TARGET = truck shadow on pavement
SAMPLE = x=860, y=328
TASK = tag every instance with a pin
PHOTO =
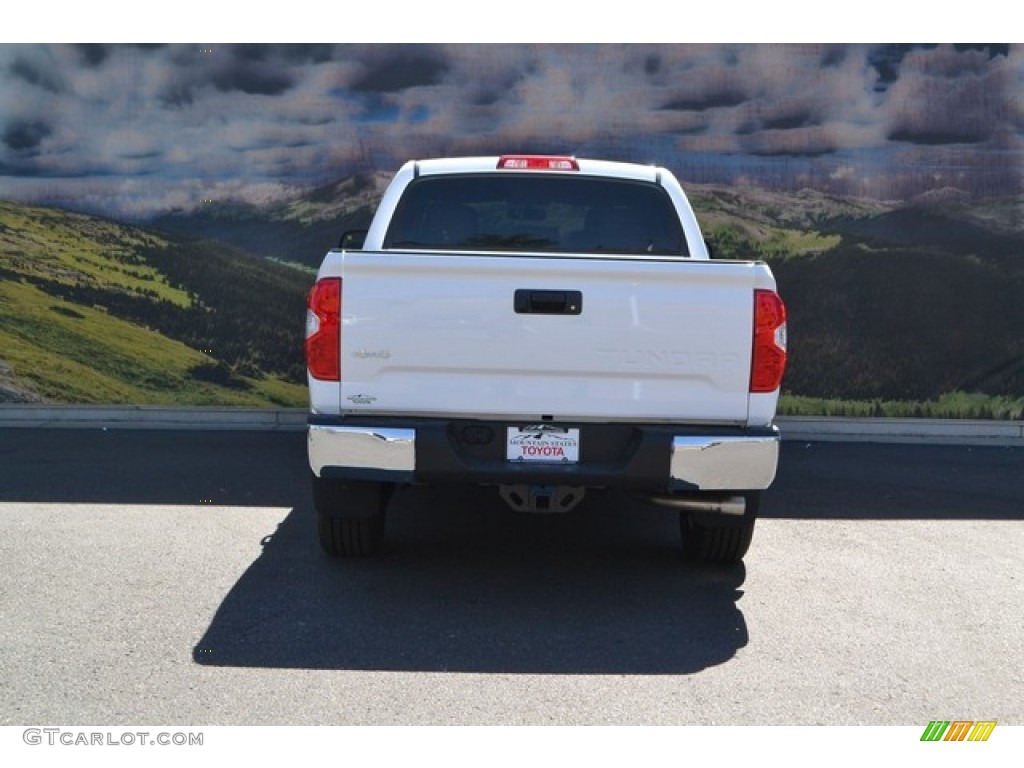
x=469, y=586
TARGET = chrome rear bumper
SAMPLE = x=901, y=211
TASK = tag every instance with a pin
x=386, y=450
x=696, y=462
x=725, y=463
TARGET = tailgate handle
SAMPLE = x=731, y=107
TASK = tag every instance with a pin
x=536, y=302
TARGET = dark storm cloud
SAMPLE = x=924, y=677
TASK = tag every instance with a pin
x=788, y=122
x=694, y=78
x=886, y=61
x=37, y=75
x=176, y=96
x=692, y=129
x=260, y=80
x=255, y=69
x=833, y=56
x=307, y=53
x=748, y=128
x=486, y=97
x=794, y=135
x=140, y=154
x=284, y=53
x=937, y=136
x=992, y=49
x=252, y=69
x=492, y=89
x=400, y=69
x=248, y=68
x=809, y=149
x=92, y=54
x=21, y=135
x=249, y=52
x=728, y=97
x=957, y=95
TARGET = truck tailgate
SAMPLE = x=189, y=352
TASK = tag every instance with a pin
x=518, y=337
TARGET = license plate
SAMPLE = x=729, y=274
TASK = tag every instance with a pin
x=543, y=443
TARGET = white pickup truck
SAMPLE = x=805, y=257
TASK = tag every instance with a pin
x=543, y=325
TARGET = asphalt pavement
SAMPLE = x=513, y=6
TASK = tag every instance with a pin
x=174, y=577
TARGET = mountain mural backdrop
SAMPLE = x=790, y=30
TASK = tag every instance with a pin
x=162, y=206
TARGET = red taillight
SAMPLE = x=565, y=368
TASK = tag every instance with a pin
x=537, y=163
x=323, y=330
x=769, y=359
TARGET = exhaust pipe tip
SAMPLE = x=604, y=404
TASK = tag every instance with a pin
x=728, y=506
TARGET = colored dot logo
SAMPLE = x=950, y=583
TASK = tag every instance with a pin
x=958, y=730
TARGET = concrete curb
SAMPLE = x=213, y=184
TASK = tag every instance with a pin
x=793, y=428
x=151, y=417
x=875, y=430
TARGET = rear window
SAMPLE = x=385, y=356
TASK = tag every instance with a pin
x=546, y=213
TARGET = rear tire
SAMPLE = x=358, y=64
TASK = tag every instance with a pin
x=717, y=541
x=350, y=516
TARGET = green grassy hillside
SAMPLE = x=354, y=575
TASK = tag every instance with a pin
x=893, y=310
x=92, y=311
